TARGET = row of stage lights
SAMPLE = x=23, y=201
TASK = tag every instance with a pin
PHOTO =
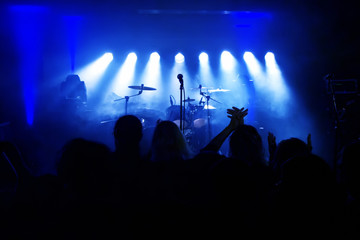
x=266, y=78
x=94, y=71
x=226, y=57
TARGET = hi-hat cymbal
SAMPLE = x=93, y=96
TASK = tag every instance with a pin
x=189, y=100
x=219, y=90
x=142, y=87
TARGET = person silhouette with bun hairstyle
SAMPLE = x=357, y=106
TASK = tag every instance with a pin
x=127, y=136
x=127, y=162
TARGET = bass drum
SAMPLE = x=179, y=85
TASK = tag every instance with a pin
x=173, y=114
x=199, y=117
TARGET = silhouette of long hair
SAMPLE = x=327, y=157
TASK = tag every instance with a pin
x=168, y=143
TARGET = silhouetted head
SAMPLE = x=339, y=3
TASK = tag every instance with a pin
x=306, y=174
x=246, y=144
x=350, y=168
x=289, y=148
x=168, y=143
x=127, y=132
x=83, y=165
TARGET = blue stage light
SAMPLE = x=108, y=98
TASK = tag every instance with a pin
x=125, y=76
x=28, y=23
x=92, y=73
x=108, y=57
x=131, y=57
x=227, y=61
x=248, y=57
x=179, y=58
x=154, y=57
x=269, y=56
x=203, y=58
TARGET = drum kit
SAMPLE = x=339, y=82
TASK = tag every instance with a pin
x=196, y=117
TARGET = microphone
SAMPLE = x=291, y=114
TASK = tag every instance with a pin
x=180, y=77
x=171, y=101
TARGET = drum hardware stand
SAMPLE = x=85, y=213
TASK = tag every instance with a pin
x=128, y=97
x=207, y=97
x=330, y=80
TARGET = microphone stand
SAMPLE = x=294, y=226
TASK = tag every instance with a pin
x=180, y=77
x=128, y=97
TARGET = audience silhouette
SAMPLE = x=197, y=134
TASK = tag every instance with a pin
x=168, y=143
x=349, y=179
x=174, y=193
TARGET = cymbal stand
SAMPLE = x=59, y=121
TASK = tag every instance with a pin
x=128, y=97
x=208, y=97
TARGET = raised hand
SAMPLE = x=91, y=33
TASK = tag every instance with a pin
x=237, y=116
x=309, y=144
x=272, y=147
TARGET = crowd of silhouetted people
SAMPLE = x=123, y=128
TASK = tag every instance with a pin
x=175, y=193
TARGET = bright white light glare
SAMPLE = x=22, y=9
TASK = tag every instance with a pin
x=248, y=57
x=269, y=56
x=205, y=73
x=227, y=61
x=131, y=57
x=92, y=73
x=155, y=57
x=270, y=61
x=203, y=57
x=125, y=75
x=179, y=58
x=253, y=65
x=276, y=85
x=108, y=57
x=255, y=70
x=151, y=76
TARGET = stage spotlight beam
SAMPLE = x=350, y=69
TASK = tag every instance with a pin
x=228, y=61
x=92, y=73
x=154, y=57
x=179, y=58
x=203, y=57
x=254, y=67
x=124, y=76
x=151, y=76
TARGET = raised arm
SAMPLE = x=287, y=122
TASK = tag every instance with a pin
x=237, y=118
x=309, y=143
x=272, y=148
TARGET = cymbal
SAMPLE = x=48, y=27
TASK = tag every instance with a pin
x=143, y=88
x=202, y=88
x=219, y=90
x=210, y=107
x=189, y=100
